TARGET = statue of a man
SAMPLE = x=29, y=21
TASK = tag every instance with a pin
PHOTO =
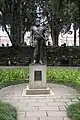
x=38, y=37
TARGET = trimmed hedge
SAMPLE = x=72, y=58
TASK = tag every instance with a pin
x=73, y=111
x=60, y=56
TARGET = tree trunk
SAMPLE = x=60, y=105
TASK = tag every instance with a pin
x=74, y=34
x=21, y=34
x=14, y=27
x=8, y=34
x=15, y=34
x=52, y=36
x=6, y=29
x=17, y=25
x=79, y=35
x=4, y=24
x=55, y=36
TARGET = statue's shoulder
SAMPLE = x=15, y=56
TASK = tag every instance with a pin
x=43, y=28
x=33, y=28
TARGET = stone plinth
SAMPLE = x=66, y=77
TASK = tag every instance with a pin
x=37, y=80
x=30, y=91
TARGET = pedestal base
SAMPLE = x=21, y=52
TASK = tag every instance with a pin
x=37, y=91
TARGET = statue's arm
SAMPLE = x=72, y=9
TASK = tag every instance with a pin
x=45, y=34
x=31, y=33
x=31, y=36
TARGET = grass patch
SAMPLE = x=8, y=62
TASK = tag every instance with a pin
x=69, y=77
x=13, y=76
x=73, y=111
x=65, y=76
x=7, y=112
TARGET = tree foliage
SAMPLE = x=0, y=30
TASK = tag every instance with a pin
x=57, y=15
x=19, y=15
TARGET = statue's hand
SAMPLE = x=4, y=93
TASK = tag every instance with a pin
x=47, y=39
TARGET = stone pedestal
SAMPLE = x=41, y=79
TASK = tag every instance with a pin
x=37, y=80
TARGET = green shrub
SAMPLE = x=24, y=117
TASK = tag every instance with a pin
x=73, y=111
x=7, y=112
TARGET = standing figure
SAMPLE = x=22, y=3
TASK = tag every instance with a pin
x=38, y=36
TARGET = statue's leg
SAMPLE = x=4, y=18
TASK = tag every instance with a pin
x=35, y=52
x=41, y=50
x=38, y=51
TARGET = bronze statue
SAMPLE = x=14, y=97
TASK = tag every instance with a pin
x=38, y=36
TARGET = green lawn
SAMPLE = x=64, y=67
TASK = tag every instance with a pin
x=7, y=112
x=65, y=76
x=13, y=76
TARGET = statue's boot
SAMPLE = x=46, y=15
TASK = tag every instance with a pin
x=34, y=62
x=40, y=61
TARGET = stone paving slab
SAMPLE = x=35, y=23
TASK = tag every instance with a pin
x=27, y=109
x=36, y=114
x=66, y=118
x=51, y=107
x=56, y=103
x=29, y=118
x=62, y=108
x=51, y=118
x=57, y=113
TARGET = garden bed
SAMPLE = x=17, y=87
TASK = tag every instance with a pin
x=65, y=76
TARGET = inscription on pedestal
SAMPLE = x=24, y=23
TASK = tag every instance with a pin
x=37, y=75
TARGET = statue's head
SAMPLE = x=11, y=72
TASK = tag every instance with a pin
x=37, y=23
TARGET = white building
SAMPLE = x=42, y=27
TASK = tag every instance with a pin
x=4, y=39
x=66, y=38
x=69, y=38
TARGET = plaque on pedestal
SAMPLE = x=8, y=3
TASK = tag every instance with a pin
x=37, y=75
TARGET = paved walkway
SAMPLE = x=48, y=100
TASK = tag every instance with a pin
x=40, y=108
